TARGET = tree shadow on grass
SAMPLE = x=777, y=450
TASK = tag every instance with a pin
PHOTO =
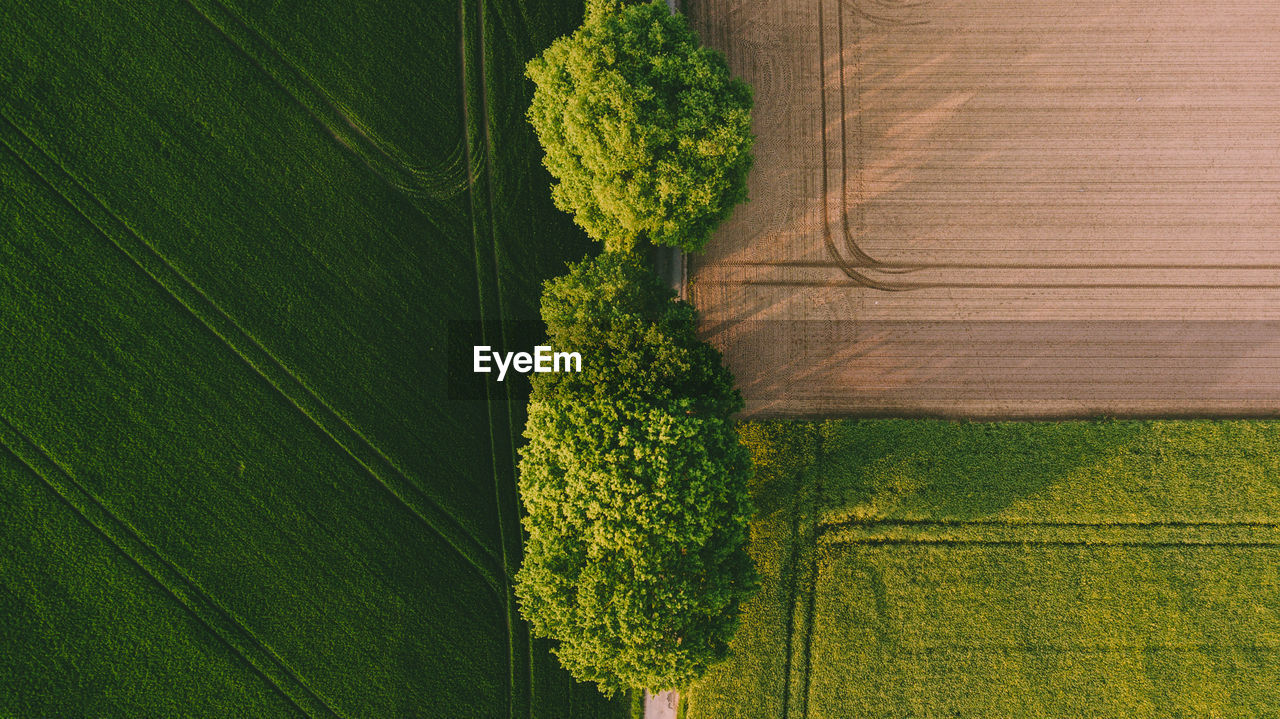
x=806, y=472
x=781, y=532
x=781, y=452
x=957, y=471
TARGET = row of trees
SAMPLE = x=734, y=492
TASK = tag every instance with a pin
x=633, y=480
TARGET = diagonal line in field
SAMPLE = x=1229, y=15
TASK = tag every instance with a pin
x=414, y=180
x=350, y=440
x=335, y=129
x=176, y=583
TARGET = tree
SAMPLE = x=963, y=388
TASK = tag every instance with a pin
x=645, y=132
x=634, y=486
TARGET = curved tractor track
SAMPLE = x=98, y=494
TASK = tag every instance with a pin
x=1001, y=209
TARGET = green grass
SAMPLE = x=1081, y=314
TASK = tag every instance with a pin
x=73, y=602
x=936, y=569
x=231, y=240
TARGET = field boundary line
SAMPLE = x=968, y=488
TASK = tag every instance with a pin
x=907, y=286
x=1001, y=266
x=1188, y=648
x=796, y=556
x=954, y=542
x=181, y=587
x=1064, y=534
x=818, y=498
x=415, y=179
x=1013, y=523
x=310, y=405
x=1006, y=532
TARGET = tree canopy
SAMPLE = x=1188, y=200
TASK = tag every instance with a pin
x=645, y=132
x=634, y=484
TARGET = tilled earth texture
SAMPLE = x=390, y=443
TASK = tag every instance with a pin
x=989, y=208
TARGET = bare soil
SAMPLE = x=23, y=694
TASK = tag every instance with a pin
x=1000, y=208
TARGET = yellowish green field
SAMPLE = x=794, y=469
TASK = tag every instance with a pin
x=934, y=569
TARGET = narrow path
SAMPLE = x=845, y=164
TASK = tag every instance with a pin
x=662, y=705
x=669, y=263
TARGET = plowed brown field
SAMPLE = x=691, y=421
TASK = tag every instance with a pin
x=1000, y=208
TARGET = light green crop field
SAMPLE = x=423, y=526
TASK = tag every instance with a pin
x=934, y=569
x=233, y=236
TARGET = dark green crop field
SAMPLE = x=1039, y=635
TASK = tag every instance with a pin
x=233, y=236
x=935, y=569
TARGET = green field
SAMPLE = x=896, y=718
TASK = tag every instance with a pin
x=234, y=236
x=935, y=569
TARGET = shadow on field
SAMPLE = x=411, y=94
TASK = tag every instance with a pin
x=781, y=532
x=911, y=469
x=809, y=474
